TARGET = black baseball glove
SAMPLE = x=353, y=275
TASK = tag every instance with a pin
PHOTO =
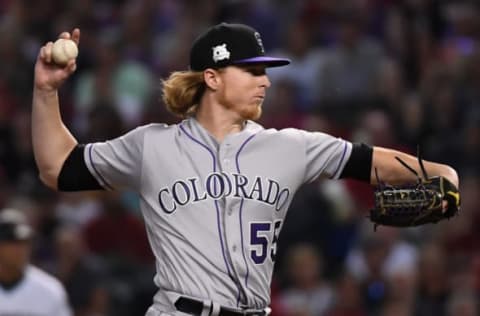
x=414, y=204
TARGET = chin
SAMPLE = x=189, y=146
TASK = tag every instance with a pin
x=251, y=113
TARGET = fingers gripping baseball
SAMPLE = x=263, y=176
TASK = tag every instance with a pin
x=57, y=61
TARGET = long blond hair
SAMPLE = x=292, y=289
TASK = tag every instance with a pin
x=181, y=92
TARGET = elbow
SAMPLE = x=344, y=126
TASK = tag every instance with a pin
x=49, y=172
x=49, y=179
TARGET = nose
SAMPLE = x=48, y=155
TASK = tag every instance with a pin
x=265, y=81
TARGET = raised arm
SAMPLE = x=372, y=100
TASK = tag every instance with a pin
x=393, y=172
x=52, y=141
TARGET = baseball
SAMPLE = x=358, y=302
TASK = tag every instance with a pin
x=63, y=50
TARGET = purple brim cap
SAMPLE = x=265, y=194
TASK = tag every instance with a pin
x=269, y=61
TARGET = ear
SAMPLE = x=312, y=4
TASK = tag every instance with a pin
x=212, y=78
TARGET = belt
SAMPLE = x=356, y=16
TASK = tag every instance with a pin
x=209, y=308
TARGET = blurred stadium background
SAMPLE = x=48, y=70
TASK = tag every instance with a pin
x=385, y=72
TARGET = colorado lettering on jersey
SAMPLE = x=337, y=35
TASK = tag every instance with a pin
x=219, y=185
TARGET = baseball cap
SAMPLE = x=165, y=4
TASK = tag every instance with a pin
x=230, y=44
x=14, y=226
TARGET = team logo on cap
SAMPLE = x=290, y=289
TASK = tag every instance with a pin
x=259, y=41
x=220, y=52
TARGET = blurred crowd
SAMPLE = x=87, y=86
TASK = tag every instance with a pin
x=391, y=73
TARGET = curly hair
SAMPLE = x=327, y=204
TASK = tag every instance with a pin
x=181, y=92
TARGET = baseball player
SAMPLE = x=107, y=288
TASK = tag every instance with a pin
x=215, y=188
x=25, y=289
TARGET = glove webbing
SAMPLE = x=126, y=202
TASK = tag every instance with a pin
x=407, y=200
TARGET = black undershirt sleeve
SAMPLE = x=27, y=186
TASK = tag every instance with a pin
x=75, y=175
x=359, y=165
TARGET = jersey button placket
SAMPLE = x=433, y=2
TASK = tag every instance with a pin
x=232, y=227
x=231, y=239
x=225, y=159
x=232, y=220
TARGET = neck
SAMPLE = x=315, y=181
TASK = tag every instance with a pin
x=218, y=120
x=9, y=279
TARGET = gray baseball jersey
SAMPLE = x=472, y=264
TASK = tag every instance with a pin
x=213, y=211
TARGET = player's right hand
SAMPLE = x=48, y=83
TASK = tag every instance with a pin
x=48, y=75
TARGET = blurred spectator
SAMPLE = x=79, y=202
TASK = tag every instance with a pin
x=391, y=84
x=82, y=276
x=280, y=111
x=128, y=245
x=445, y=111
x=137, y=30
x=125, y=84
x=460, y=237
x=348, y=298
x=39, y=205
x=27, y=176
x=433, y=282
x=303, y=72
x=25, y=289
x=264, y=16
x=395, y=309
x=308, y=293
x=373, y=282
x=470, y=151
x=276, y=303
x=118, y=238
x=309, y=210
x=104, y=122
x=411, y=120
x=171, y=47
x=383, y=253
x=9, y=161
x=382, y=256
x=401, y=287
x=463, y=303
x=77, y=209
x=16, y=71
x=352, y=66
x=469, y=76
x=5, y=190
x=461, y=32
x=375, y=126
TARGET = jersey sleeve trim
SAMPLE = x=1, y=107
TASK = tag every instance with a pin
x=340, y=162
x=347, y=151
x=93, y=170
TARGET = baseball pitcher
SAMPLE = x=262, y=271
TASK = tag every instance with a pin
x=214, y=188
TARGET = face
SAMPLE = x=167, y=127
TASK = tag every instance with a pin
x=14, y=256
x=242, y=89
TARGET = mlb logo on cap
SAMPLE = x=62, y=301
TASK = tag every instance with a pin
x=230, y=44
x=220, y=52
